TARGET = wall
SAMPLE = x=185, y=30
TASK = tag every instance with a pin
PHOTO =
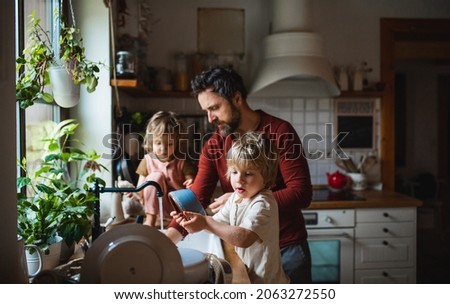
x=95, y=109
x=350, y=28
x=8, y=231
x=343, y=23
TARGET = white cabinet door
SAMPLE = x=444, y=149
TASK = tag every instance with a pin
x=384, y=252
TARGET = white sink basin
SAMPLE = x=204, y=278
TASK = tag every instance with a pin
x=203, y=241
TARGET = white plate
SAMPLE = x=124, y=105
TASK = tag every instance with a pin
x=130, y=254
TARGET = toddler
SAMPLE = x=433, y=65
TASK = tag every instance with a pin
x=249, y=218
x=164, y=163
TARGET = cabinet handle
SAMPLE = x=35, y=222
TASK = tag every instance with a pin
x=385, y=230
x=385, y=214
x=385, y=274
x=385, y=243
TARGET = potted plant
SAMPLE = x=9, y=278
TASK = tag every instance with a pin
x=39, y=64
x=56, y=199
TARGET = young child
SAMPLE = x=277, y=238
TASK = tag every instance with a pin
x=249, y=218
x=164, y=164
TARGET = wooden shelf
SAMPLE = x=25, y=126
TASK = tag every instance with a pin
x=361, y=94
x=132, y=87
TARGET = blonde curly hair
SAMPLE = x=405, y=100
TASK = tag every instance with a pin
x=254, y=151
x=163, y=123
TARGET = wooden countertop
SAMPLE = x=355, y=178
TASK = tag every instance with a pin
x=372, y=199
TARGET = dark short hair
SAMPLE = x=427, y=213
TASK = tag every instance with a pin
x=222, y=80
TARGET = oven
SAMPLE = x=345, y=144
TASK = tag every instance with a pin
x=330, y=238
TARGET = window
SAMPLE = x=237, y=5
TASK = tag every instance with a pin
x=36, y=121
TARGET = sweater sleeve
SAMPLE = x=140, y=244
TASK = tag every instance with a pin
x=206, y=179
x=293, y=189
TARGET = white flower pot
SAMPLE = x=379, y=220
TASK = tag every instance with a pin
x=65, y=92
x=38, y=261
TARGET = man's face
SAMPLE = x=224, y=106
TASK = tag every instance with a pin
x=220, y=112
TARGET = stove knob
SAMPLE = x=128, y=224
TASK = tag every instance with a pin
x=329, y=220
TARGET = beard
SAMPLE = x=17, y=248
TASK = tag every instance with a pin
x=227, y=128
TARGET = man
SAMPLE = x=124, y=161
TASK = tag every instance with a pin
x=222, y=95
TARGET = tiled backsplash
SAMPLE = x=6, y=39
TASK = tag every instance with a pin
x=309, y=117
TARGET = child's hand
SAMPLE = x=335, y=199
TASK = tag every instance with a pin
x=127, y=184
x=188, y=183
x=178, y=217
x=193, y=222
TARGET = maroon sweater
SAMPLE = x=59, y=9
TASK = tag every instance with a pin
x=292, y=188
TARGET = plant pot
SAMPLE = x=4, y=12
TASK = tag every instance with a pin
x=39, y=261
x=65, y=92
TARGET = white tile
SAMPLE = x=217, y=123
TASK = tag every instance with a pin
x=256, y=104
x=299, y=129
x=324, y=117
x=285, y=104
x=310, y=128
x=298, y=104
x=324, y=104
x=298, y=117
x=321, y=129
x=285, y=115
x=311, y=104
x=311, y=117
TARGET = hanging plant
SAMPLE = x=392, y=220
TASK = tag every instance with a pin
x=40, y=56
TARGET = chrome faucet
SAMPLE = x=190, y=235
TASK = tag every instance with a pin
x=96, y=229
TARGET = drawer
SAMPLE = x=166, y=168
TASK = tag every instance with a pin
x=376, y=215
x=386, y=276
x=387, y=230
x=384, y=252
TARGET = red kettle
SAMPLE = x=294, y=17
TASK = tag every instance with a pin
x=337, y=181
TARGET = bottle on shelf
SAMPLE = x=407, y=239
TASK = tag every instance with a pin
x=181, y=73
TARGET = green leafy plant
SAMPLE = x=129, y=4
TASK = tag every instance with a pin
x=53, y=203
x=39, y=56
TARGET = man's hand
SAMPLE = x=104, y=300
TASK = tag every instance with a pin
x=219, y=202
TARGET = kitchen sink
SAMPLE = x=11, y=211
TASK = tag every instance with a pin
x=203, y=241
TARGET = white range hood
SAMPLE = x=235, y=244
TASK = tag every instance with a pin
x=294, y=62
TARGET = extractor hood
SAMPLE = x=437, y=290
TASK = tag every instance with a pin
x=294, y=62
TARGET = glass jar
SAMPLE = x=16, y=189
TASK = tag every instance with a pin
x=125, y=65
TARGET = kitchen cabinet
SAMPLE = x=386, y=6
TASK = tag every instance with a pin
x=385, y=245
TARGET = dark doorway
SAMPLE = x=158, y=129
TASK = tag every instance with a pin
x=419, y=42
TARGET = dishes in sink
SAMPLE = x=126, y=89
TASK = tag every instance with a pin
x=185, y=200
x=132, y=253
